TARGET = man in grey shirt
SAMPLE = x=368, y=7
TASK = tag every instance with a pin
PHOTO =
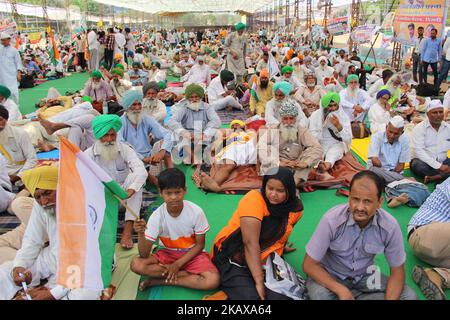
x=340, y=255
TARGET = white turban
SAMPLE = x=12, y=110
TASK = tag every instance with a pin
x=323, y=58
x=434, y=104
x=294, y=61
x=397, y=122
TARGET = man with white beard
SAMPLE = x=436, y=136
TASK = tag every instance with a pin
x=151, y=105
x=136, y=131
x=16, y=147
x=122, y=164
x=281, y=92
x=341, y=63
x=36, y=261
x=199, y=74
x=97, y=88
x=298, y=149
x=324, y=71
x=119, y=85
x=193, y=122
x=355, y=101
x=309, y=95
x=331, y=126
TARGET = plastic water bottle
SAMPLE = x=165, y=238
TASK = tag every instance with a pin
x=105, y=107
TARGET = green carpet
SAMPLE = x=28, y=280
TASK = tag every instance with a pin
x=219, y=209
x=29, y=97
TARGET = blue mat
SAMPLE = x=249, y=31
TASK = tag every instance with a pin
x=54, y=154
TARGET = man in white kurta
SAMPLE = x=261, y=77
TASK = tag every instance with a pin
x=16, y=147
x=10, y=66
x=355, y=101
x=9, y=104
x=324, y=71
x=219, y=96
x=199, y=74
x=122, y=164
x=35, y=261
x=236, y=43
x=331, y=126
x=119, y=43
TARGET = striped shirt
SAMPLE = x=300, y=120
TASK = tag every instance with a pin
x=435, y=209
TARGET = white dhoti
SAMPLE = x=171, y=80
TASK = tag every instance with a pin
x=134, y=202
x=11, y=241
x=227, y=101
x=240, y=153
x=40, y=270
x=333, y=152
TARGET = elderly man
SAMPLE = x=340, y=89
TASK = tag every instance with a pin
x=340, y=255
x=331, y=126
x=281, y=92
x=200, y=73
x=286, y=75
x=341, y=63
x=236, y=43
x=263, y=63
x=122, y=164
x=262, y=94
x=389, y=151
x=9, y=104
x=429, y=239
x=240, y=150
x=138, y=76
x=36, y=261
x=324, y=71
x=119, y=85
x=194, y=122
x=309, y=95
x=431, y=142
x=355, y=101
x=136, y=130
x=151, y=105
x=16, y=147
x=11, y=66
x=219, y=96
x=298, y=149
x=97, y=88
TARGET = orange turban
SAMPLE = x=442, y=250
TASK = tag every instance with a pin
x=264, y=73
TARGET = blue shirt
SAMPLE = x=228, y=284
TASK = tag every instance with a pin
x=389, y=154
x=435, y=209
x=138, y=138
x=431, y=50
x=32, y=66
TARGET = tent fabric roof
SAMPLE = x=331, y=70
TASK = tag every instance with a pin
x=167, y=6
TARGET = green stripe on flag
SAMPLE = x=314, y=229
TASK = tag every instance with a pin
x=108, y=232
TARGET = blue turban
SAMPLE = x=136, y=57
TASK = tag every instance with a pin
x=382, y=93
x=284, y=87
x=130, y=97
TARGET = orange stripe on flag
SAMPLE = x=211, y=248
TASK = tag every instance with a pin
x=71, y=219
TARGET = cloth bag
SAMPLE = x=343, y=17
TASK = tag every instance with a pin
x=283, y=279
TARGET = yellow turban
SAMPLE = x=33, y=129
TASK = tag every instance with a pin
x=239, y=122
x=45, y=177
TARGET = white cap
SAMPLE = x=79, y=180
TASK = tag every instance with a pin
x=397, y=122
x=323, y=58
x=5, y=35
x=434, y=104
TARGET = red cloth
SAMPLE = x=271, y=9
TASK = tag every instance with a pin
x=201, y=263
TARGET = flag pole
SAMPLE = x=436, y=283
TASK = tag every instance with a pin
x=122, y=202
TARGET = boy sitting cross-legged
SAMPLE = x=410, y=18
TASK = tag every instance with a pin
x=181, y=227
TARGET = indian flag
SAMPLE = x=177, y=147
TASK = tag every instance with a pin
x=87, y=217
x=54, y=52
x=253, y=90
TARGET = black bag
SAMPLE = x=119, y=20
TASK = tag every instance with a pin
x=27, y=81
x=427, y=90
x=115, y=108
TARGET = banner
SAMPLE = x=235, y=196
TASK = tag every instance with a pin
x=364, y=34
x=339, y=21
x=8, y=25
x=412, y=14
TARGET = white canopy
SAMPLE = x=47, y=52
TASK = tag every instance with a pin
x=174, y=6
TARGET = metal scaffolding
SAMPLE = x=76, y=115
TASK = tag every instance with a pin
x=327, y=13
x=287, y=16
x=354, y=21
x=309, y=14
